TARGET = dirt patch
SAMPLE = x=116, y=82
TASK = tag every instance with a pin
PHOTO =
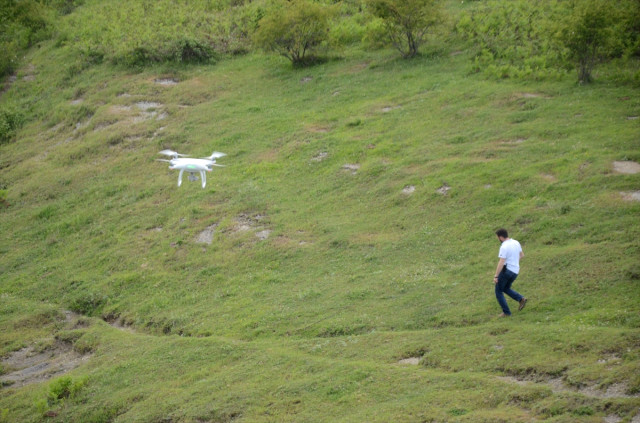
x=167, y=82
x=353, y=168
x=306, y=79
x=409, y=189
x=388, y=109
x=320, y=156
x=244, y=222
x=626, y=167
x=206, y=236
x=413, y=361
x=548, y=177
x=631, y=196
x=534, y=95
x=146, y=105
x=263, y=235
x=444, y=189
x=31, y=366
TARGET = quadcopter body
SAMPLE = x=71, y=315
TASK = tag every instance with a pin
x=190, y=165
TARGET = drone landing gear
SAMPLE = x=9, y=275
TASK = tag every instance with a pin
x=193, y=177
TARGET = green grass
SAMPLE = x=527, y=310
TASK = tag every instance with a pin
x=309, y=324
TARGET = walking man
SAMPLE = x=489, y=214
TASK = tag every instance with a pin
x=507, y=271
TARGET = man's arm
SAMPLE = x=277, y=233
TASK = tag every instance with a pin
x=499, y=269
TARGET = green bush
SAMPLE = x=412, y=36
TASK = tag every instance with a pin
x=407, y=22
x=22, y=24
x=87, y=303
x=135, y=34
x=63, y=388
x=10, y=122
x=515, y=38
x=294, y=30
x=589, y=35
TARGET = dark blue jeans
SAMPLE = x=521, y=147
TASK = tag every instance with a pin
x=505, y=279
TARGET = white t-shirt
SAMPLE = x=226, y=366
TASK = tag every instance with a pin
x=510, y=251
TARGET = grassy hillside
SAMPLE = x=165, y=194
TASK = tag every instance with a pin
x=353, y=228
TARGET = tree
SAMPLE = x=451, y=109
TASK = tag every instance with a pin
x=587, y=35
x=407, y=22
x=294, y=30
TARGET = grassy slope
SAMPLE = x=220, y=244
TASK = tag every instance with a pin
x=308, y=324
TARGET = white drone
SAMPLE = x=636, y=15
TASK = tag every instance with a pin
x=191, y=165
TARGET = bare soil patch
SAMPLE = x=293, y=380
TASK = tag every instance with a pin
x=627, y=167
x=414, y=361
x=320, y=156
x=206, y=236
x=388, y=109
x=409, y=189
x=631, y=196
x=534, y=95
x=353, y=168
x=264, y=234
x=444, y=189
x=167, y=82
x=29, y=365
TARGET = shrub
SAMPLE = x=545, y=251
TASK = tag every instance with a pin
x=10, y=122
x=407, y=22
x=63, y=388
x=515, y=38
x=87, y=303
x=294, y=30
x=136, y=34
x=588, y=35
x=22, y=24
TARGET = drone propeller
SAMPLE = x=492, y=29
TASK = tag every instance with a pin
x=219, y=165
x=163, y=160
x=172, y=153
x=215, y=155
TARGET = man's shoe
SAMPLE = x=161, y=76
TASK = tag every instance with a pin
x=523, y=302
x=504, y=315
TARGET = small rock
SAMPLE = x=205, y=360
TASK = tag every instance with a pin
x=409, y=189
x=444, y=189
x=306, y=79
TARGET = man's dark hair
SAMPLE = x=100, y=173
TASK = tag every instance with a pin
x=503, y=233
